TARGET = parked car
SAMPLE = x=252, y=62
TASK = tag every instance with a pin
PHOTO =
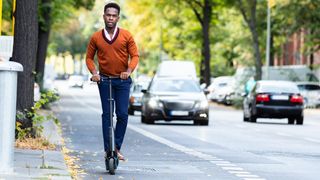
x=311, y=93
x=221, y=89
x=76, y=81
x=136, y=94
x=174, y=98
x=274, y=99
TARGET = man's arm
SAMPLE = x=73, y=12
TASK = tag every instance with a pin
x=134, y=58
x=134, y=54
x=91, y=51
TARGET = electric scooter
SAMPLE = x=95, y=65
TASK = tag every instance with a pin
x=112, y=159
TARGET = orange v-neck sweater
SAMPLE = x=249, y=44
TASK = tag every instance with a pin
x=113, y=56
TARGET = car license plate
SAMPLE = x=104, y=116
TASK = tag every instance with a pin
x=179, y=113
x=280, y=97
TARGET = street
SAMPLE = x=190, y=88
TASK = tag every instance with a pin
x=227, y=149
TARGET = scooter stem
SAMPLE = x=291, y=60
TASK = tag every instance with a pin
x=111, y=129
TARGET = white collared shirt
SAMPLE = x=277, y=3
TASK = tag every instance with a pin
x=107, y=34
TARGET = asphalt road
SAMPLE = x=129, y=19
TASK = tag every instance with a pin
x=226, y=149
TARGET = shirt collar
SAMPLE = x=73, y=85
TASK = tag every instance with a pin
x=107, y=34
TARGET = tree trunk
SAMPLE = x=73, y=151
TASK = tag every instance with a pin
x=257, y=54
x=206, y=39
x=311, y=61
x=254, y=34
x=44, y=31
x=25, y=50
x=251, y=21
x=41, y=55
x=204, y=19
x=271, y=63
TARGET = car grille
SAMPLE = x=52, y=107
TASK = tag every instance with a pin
x=185, y=105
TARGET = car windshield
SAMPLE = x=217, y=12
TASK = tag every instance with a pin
x=175, y=85
x=309, y=87
x=278, y=88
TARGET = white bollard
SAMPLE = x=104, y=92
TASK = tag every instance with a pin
x=8, y=96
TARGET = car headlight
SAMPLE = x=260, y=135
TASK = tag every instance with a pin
x=202, y=104
x=154, y=103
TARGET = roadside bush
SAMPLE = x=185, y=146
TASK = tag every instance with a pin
x=237, y=102
x=29, y=122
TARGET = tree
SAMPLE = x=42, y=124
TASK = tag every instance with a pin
x=203, y=13
x=25, y=50
x=51, y=12
x=299, y=15
x=248, y=10
x=186, y=37
x=44, y=31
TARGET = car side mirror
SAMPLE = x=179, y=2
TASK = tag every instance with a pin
x=244, y=94
x=144, y=91
x=203, y=85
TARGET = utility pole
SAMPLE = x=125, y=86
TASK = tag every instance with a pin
x=271, y=3
x=0, y=16
x=13, y=15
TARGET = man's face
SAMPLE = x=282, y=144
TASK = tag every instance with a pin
x=111, y=17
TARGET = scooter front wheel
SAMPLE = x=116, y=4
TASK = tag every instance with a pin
x=111, y=165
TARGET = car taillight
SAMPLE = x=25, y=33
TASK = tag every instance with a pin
x=296, y=99
x=262, y=98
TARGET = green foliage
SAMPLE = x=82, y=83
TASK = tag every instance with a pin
x=170, y=29
x=237, y=102
x=36, y=118
x=291, y=17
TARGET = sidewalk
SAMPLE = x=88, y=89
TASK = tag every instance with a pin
x=38, y=164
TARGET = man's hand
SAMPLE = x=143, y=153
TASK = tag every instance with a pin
x=95, y=78
x=125, y=75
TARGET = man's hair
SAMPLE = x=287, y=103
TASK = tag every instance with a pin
x=112, y=5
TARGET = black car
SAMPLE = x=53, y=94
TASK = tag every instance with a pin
x=274, y=99
x=174, y=98
x=135, y=102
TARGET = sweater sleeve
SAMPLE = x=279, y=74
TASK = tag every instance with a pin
x=91, y=51
x=134, y=55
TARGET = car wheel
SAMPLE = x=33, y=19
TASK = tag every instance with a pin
x=143, y=119
x=245, y=119
x=201, y=122
x=130, y=111
x=252, y=118
x=290, y=120
x=147, y=120
x=299, y=120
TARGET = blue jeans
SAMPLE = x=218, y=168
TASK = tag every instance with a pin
x=120, y=94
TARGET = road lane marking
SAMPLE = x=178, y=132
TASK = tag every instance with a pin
x=239, y=172
x=312, y=140
x=212, y=159
x=225, y=164
x=219, y=161
x=233, y=168
x=284, y=134
x=189, y=151
x=247, y=176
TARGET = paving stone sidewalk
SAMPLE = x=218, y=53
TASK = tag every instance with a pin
x=40, y=164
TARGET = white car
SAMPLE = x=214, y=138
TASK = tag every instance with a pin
x=76, y=81
x=311, y=93
x=220, y=88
